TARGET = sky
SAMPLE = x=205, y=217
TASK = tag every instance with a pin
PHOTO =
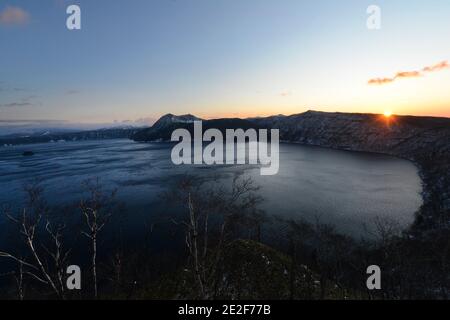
x=137, y=60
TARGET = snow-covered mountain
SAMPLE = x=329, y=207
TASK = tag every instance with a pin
x=170, y=119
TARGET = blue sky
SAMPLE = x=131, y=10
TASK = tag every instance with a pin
x=143, y=58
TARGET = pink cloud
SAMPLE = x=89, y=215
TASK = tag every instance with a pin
x=437, y=67
x=407, y=74
x=380, y=81
x=13, y=16
x=410, y=74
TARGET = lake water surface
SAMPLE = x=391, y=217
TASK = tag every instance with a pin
x=345, y=189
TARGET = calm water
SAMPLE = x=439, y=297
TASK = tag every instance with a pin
x=346, y=189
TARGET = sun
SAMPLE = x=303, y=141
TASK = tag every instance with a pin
x=387, y=113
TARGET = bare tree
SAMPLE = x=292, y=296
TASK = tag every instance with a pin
x=29, y=223
x=97, y=211
x=229, y=206
x=58, y=255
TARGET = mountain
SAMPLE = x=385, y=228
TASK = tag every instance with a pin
x=163, y=128
x=404, y=136
x=170, y=119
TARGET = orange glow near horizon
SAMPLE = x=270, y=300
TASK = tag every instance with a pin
x=388, y=113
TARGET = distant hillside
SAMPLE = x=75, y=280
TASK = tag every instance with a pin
x=113, y=133
x=404, y=136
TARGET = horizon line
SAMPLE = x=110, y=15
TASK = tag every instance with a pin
x=134, y=122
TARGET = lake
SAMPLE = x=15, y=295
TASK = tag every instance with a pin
x=345, y=189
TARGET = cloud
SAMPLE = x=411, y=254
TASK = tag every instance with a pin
x=19, y=89
x=437, y=67
x=4, y=86
x=16, y=104
x=24, y=102
x=72, y=92
x=285, y=93
x=11, y=16
x=381, y=81
x=410, y=74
